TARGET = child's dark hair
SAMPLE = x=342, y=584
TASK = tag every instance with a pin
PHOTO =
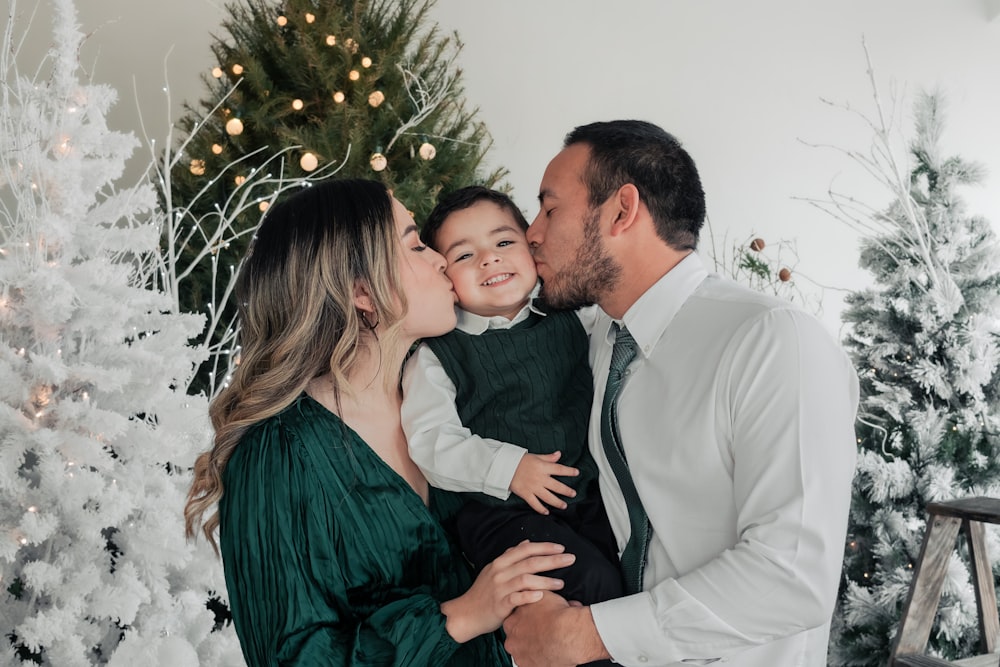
x=462, y=199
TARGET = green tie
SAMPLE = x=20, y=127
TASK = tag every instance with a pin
x=634, y=556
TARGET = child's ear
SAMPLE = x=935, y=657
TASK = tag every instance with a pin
x=362, y=297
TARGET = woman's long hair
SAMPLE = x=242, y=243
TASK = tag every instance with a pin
x=296, y=292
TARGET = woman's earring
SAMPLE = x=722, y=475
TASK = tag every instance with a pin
x=364, y=318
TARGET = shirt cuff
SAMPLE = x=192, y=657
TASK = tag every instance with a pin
x=501, y=472
x=628, y=628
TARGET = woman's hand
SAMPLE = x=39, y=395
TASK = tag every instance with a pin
x=508, y=582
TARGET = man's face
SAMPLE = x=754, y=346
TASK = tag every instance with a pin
x=566, y=235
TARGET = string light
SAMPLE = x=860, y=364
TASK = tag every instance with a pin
x=237, y=69
x=378, y=161
x=263, y=206
x=366, y=62
x=217, y=72
x=217, y=149
x=198, y=167
x=354, y=75
x=308, y=162
x=282, y=21
x=376, y=98
x=297, y=104
x=338, y=97
x=331, y=40
x=239, y=180
x=427, y=151
x=310, y=17
x=234, y=126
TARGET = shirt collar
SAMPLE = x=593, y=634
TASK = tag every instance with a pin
x=474, y=324
x=652, y=312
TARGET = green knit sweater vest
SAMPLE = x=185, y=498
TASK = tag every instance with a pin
x=529, y=385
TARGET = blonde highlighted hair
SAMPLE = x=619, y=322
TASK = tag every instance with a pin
x=296, y=293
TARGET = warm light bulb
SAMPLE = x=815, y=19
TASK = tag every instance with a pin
x=237, y=69
x=32, y=508
x=239, y=180
x=366, y=62
x=217, y=149
x=338, y=97
x=376, y=98
x=351, y=44
x=310, y=17
x=331, y=40
x=427, y=151
x=354, y=75
x=217, y=72
x=198, y=167
x=308, y=162
x=378, y=162
x=282, y=21
x=297, y=104
x=234, y=126
x=263, y=206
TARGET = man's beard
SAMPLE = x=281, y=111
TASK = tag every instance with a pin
x=589, y=275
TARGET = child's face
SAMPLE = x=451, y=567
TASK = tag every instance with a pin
x=488, y=260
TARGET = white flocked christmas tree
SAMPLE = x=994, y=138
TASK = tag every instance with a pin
x=926, y=342
x=96, y=429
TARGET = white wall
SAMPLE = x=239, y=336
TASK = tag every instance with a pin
x=738, y=82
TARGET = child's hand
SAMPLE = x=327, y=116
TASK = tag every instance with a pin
x=535, y=481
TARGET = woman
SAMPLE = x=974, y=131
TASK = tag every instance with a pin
x=330, y=537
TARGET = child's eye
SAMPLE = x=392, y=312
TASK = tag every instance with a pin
x=465, y=255
x=504, y=244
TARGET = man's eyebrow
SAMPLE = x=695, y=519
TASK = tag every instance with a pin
x=542, y=194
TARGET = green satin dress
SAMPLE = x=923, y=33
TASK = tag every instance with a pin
x=330, y=556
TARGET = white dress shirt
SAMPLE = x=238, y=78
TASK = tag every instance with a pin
x=737, y=417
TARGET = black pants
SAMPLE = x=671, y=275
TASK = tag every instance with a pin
x=485, y=532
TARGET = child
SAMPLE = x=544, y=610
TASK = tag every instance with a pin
x=500, y=405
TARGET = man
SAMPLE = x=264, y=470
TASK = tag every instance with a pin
x=726, y=448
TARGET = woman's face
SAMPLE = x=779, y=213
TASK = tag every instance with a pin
x=429, y=295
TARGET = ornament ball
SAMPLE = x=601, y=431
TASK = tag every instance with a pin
x=757, y=244
x=379, y=162
x=784, y=275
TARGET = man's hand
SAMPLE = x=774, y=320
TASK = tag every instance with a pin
x=535, y=481
x=553, y=633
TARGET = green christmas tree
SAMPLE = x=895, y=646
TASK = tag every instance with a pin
x=925, y=342
x=363, y=88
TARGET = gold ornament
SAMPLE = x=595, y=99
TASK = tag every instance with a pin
x=237, y=69
x=234, y=126
x=217, y=149
x=354, y=75
x=282, y=21
x=378, y=162
x=366, y=62
x=338, y=97
x=331, y=40
x=427, y=151
x=308, y=162
x=376, y=98
x=297, y=104
x=198, y=167
x=310, y=17
x=217, y=72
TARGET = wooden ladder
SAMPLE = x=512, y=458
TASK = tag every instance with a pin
x=943, y=523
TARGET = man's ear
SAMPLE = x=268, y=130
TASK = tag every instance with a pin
x=362, y=297
x=626, y=208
